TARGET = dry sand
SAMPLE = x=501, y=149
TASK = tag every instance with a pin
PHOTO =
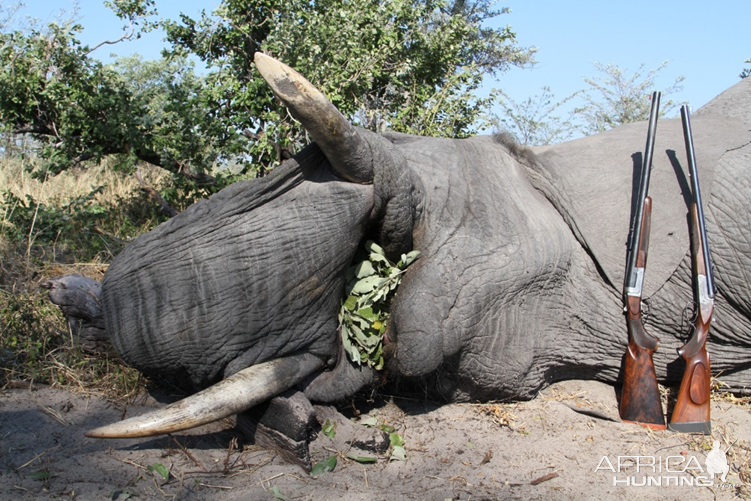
x=542, y=449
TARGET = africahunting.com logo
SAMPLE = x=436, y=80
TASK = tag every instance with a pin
x=668, y=471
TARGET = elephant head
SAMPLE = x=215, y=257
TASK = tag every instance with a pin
x=517, y=285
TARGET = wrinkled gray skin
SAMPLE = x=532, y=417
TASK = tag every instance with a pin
x=519, y=282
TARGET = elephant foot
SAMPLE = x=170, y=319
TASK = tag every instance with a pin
x=288, y=423
x=285, y=424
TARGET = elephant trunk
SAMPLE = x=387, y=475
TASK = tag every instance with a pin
x=350, y=154
x=233, y=395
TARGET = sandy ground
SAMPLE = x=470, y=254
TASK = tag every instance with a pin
x=542, y=449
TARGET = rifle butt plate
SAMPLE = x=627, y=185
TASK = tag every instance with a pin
x=704, y=427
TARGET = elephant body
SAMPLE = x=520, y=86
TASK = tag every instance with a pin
x=519, y=282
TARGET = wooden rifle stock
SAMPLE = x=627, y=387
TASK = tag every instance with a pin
x=691, y=411
x=640, y=397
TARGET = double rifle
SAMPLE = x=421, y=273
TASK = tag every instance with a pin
x=640, y=397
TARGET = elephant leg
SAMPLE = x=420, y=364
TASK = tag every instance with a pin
x=728, y=219
x=285, y=424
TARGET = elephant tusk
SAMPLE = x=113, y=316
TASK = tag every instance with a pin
x=233, y=395
x=349, y=153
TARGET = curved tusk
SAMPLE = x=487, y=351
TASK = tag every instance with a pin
x=348, y=152
x=235, y=394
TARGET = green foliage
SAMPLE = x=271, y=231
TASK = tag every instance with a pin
x=274, y=490
x=746, y=71
x=323, y=467
x=407, y=65
x=411, y=66
x=362, y=459
x=51, y=88
x=29, y=331
x=160, y=470
x=363, y=317
x=176, y=119
x=617, y=98
x=329, y=429
x=78, y=109
x=398, y=452
x=533, y=122
x=41, y=475
x=372, y=422
x=83, y=226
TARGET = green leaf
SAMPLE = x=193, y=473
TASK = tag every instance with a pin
x=350, y=303
x=368, y=284
x=396, y=440
x=160, y=469
x=408, y=259
x=329, y=429
x=352, y=351
x=379, y=258
x=379, y=363
x=365, y=340
x=323, y=466
x=358, y=321
x=374, y=248
x=362, y=459
x=40, y=475
x=368, y=314
x=380, y=295
x=398, y=454
x=365, y=302
x=277, y=494
x=364, y=269
x=369, y=421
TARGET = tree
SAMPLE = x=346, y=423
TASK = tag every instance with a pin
x=79, y=109
x=611, y=100
x=616, y=98
x=533, y=122
x=7, y=14
x=411, y=66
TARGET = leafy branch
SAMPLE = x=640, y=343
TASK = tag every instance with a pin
x=364, y=315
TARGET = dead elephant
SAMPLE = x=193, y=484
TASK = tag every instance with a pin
x=518, y=284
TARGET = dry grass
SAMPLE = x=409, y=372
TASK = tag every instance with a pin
x=14, y=176
x=80, y=215
x=498, y=413
x=35, y=343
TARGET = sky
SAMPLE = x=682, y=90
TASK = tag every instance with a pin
x=706, y=44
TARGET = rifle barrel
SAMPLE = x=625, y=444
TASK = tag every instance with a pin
x=693, y=174
x=633, y=277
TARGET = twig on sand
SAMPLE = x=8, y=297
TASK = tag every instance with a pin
x=187, y=453
x=27, y=463
x=55, y=415
x=544, y=478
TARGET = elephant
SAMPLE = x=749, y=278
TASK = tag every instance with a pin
x=518, y=283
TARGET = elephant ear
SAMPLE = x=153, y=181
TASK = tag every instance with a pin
x=592, y=182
